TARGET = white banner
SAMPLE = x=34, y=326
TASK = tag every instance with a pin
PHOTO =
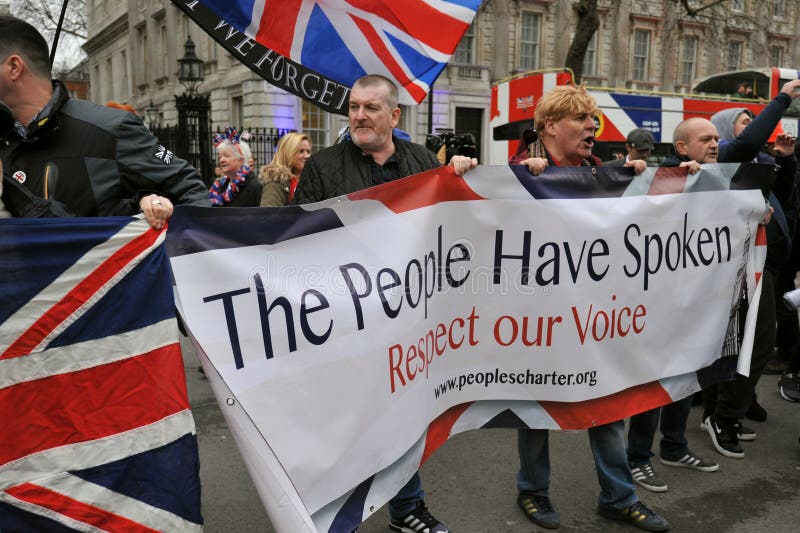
x=339, y=345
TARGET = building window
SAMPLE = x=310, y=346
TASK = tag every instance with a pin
x=737, y=5
x=779, y=9
x=405, y=118
x=529, y=41
x=161, y=61
x=734, y=58
x=142, y=62
x=776, y=56
x=108, y=83
x=590, y=59
x=315, y=125
x=237, y=112
x=96, y=84
x=123, y=93
x=641, y=55
x=688, y=59
x=465, y=51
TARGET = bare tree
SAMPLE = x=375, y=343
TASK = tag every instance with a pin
x=587, y=24
x=44, y=15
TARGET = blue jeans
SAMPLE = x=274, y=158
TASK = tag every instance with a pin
x=407, y=498
x=642, y=431
x=608, y=447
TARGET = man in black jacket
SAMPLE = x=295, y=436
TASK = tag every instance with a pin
x=370, y=157
x=95, y=160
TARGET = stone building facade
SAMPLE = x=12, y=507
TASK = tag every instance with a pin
x=134, y=46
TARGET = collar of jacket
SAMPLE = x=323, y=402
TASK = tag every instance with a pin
x=45, y=120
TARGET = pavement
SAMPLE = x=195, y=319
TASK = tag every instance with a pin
x=470, y=480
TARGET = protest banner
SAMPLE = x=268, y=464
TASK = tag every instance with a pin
x=346, y=340
x=97, y=432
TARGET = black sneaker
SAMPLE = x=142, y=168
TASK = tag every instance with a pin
x=539, y=510
x=724, y=437
x=637, y=514
x=419, y=520
x=742, y=432
x=789, y=387
x=755, y=412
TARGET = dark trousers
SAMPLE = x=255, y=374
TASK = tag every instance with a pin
x=788, y=333
x=729, y=400
x=642, y=431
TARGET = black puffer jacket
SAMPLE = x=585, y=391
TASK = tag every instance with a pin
x=102, y=160
x=342, y=169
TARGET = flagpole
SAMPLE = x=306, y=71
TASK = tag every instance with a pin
x=58, y=31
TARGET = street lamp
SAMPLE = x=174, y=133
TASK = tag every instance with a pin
x=151, y=112
x=190, y=68
x=193, y=135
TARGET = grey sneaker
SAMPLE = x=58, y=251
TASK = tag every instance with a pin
x=789, y=387
x=645, y=476
x=690, y=460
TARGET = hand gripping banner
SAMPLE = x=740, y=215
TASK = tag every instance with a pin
x=347, y=340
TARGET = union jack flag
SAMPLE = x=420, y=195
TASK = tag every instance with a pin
x=409, y=42
x=97, y=434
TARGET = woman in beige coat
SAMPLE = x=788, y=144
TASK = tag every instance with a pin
x=280, y=177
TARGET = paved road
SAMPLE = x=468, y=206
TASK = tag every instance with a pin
x=470, y=480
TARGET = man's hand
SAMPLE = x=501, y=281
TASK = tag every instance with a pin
x=536, y=165
x=156, y=209
x=638, y=165
x=462, y=163
x=784, y=145
x=693, y=166
x=767, y=216
x=791, y=88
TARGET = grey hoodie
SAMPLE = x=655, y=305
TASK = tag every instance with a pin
x=724, y=121
x=746, y=146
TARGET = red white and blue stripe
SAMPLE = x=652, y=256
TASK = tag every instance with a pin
x=97, y=432
x=409, y=42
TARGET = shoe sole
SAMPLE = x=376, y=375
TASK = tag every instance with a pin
x=652, y=488
x=403, y=529
x=613, y=514
x=684, y=465
x=747, y=437
x=785, y=397
x=720, y=449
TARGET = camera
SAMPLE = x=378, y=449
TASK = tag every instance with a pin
x=454, y=143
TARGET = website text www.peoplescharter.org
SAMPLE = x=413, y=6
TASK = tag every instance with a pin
x=556, y=379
